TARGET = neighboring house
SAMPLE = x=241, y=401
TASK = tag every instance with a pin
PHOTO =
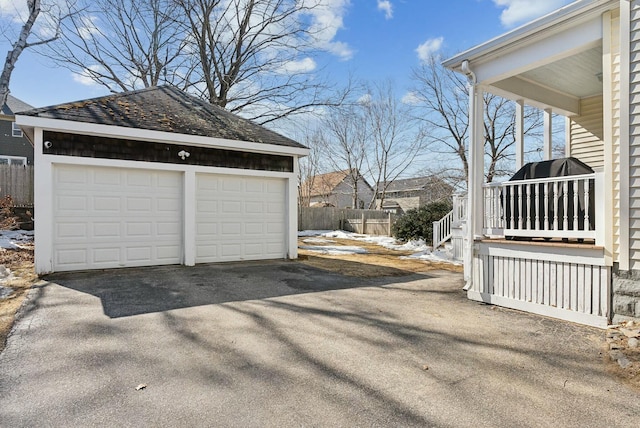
x=15, y=149
x=156, y=177
x=574, y=251
x=337, y=189
x=412, y=193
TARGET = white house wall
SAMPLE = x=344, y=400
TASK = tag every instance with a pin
x=586, y=133
x=634, y=140
x=615, y=133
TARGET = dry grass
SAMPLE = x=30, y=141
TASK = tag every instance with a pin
x=378, y=261
x=20, y=262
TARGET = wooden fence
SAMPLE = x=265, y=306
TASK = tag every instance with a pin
x=370, y=222
x=17, y=181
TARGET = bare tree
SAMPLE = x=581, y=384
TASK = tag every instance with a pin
x=256, y=56
x=441, y=98
x=34, y=9
x=123, y=44
x=345, y=144
x=309, y=166
x=393, y=143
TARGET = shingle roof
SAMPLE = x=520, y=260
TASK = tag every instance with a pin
x=324, y=184
x=14, y=105
x=164, y=108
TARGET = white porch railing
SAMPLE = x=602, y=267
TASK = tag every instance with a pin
x=558, y=207
x=459, y=208
x=442, y=230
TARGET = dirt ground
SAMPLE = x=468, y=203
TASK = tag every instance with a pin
x=20, y=263
x=377, y=261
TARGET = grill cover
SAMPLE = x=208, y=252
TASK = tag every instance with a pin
x=547, y=169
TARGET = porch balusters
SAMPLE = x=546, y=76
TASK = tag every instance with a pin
x=557, y=207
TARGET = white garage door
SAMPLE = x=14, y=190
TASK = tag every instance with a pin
x=239, y=218
x=115, y=217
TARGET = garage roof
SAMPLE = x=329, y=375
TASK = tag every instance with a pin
x=163, y=108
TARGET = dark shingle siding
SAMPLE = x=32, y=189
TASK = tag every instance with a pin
x=166, y=109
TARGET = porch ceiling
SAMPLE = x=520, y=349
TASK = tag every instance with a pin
x=579, y=75
x=558, y=85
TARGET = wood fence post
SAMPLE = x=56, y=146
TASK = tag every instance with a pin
x=364, y=225
x=389, y=223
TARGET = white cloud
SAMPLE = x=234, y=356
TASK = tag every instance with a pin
x=519, y=11
x=365, y=99
x=429, y=47
x=411, y=98
x=15, y=10
x=386, y=7
x=84, y=78
x=88, y=27
x=327, y=18
x=303, y=66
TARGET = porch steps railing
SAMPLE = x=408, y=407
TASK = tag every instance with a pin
x=442, y=230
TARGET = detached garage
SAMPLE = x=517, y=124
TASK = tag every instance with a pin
x=155, y=177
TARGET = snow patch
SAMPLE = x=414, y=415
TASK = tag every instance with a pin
x=15, y=239
x=318, y=241
x=420, y=249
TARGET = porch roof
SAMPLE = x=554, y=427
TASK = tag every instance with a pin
x=551, y=62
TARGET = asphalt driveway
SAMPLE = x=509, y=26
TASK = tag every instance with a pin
x=283, y=344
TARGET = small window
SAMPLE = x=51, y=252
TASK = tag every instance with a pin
x=15, y=130
x=13, y=160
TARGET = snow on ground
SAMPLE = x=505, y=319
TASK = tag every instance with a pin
x=15, y=239
x=421, y=250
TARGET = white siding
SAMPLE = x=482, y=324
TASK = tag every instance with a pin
x=615, y=131
x=586, y=133
x=634, y=139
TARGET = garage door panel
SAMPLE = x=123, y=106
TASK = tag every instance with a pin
x=102, y=256
x=231, y=228
x=106, y=203
x=139, y=204
x=206, y=207
x=231, y=207
x=149, y=216
x=232, y=184
x=139, y=230
x=233, y=218
x=72, y=203
x=169, y=229
x=254, y=228
x=168, y=205
x=109, y=177
x=106, y=230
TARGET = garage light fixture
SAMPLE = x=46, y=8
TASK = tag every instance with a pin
x=183, y=154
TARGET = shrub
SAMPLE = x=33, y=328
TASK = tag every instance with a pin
x=418, y=223
x=8, y=220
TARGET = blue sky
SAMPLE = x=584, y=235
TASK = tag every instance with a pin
x=371, y=39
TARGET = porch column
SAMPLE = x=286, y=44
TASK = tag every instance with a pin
x=548, y=131
x=475, y=213
x=519, y=134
